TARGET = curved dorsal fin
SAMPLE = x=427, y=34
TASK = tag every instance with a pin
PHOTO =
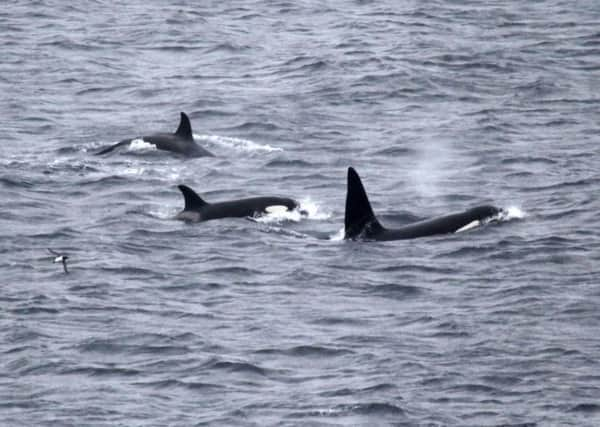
x=184, y=130
x=359, y=214
x=192, y=200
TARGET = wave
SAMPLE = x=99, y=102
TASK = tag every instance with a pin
x=239, y=367
x=383, y=387
x=366, y=409
x=228, y=48
x=289, y=163
x=100, y=371
x=396, y=152
x=528, y=160
x=171, y=383
x=256, y=126
x=286, y=232
x=588, y=408
x=109, y=346
x=584, y=182
x=307, y=351
x=34, y=310
x=15, y=183
x=512, y=212
x=395, y=291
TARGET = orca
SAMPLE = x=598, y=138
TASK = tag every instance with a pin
x=197, y=210
x=360, y=223
x=181, y=142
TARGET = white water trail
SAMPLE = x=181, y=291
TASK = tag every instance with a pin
x=237, y=144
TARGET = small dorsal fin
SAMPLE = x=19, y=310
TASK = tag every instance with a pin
x=359, y=214
x=184, y=130
x=192, y=200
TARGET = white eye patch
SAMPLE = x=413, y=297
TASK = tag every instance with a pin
x=469, y=226
x=275, y=209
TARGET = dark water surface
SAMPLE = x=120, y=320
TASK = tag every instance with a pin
x=439, y=105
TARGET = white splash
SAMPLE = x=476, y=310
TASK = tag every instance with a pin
x=238, y=144
x=57, y=162
x=339, y=236
x=163, y=212
x=140, y=145
x=307, y=210
x=134, y=171
x=313, y=209
x=280, y=215
x=512, y=212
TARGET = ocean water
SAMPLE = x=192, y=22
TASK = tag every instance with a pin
x=278, y=321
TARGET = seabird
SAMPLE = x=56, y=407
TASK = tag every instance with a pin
x=60, y=258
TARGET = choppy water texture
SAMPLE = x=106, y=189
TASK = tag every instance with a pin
x=440, y=106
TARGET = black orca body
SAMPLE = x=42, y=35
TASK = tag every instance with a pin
x=181, y=142
x=197, y=210
x=360, y=221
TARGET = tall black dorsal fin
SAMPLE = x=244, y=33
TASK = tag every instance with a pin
x=192, y=200
x=184, y=130
x=359, y=214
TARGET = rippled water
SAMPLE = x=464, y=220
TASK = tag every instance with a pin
x=440, y=106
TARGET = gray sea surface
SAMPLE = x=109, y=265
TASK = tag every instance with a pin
x=278, y=321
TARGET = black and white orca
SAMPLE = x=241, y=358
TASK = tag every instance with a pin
x=197, y=210
x=361, y=223
x=180, y=142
